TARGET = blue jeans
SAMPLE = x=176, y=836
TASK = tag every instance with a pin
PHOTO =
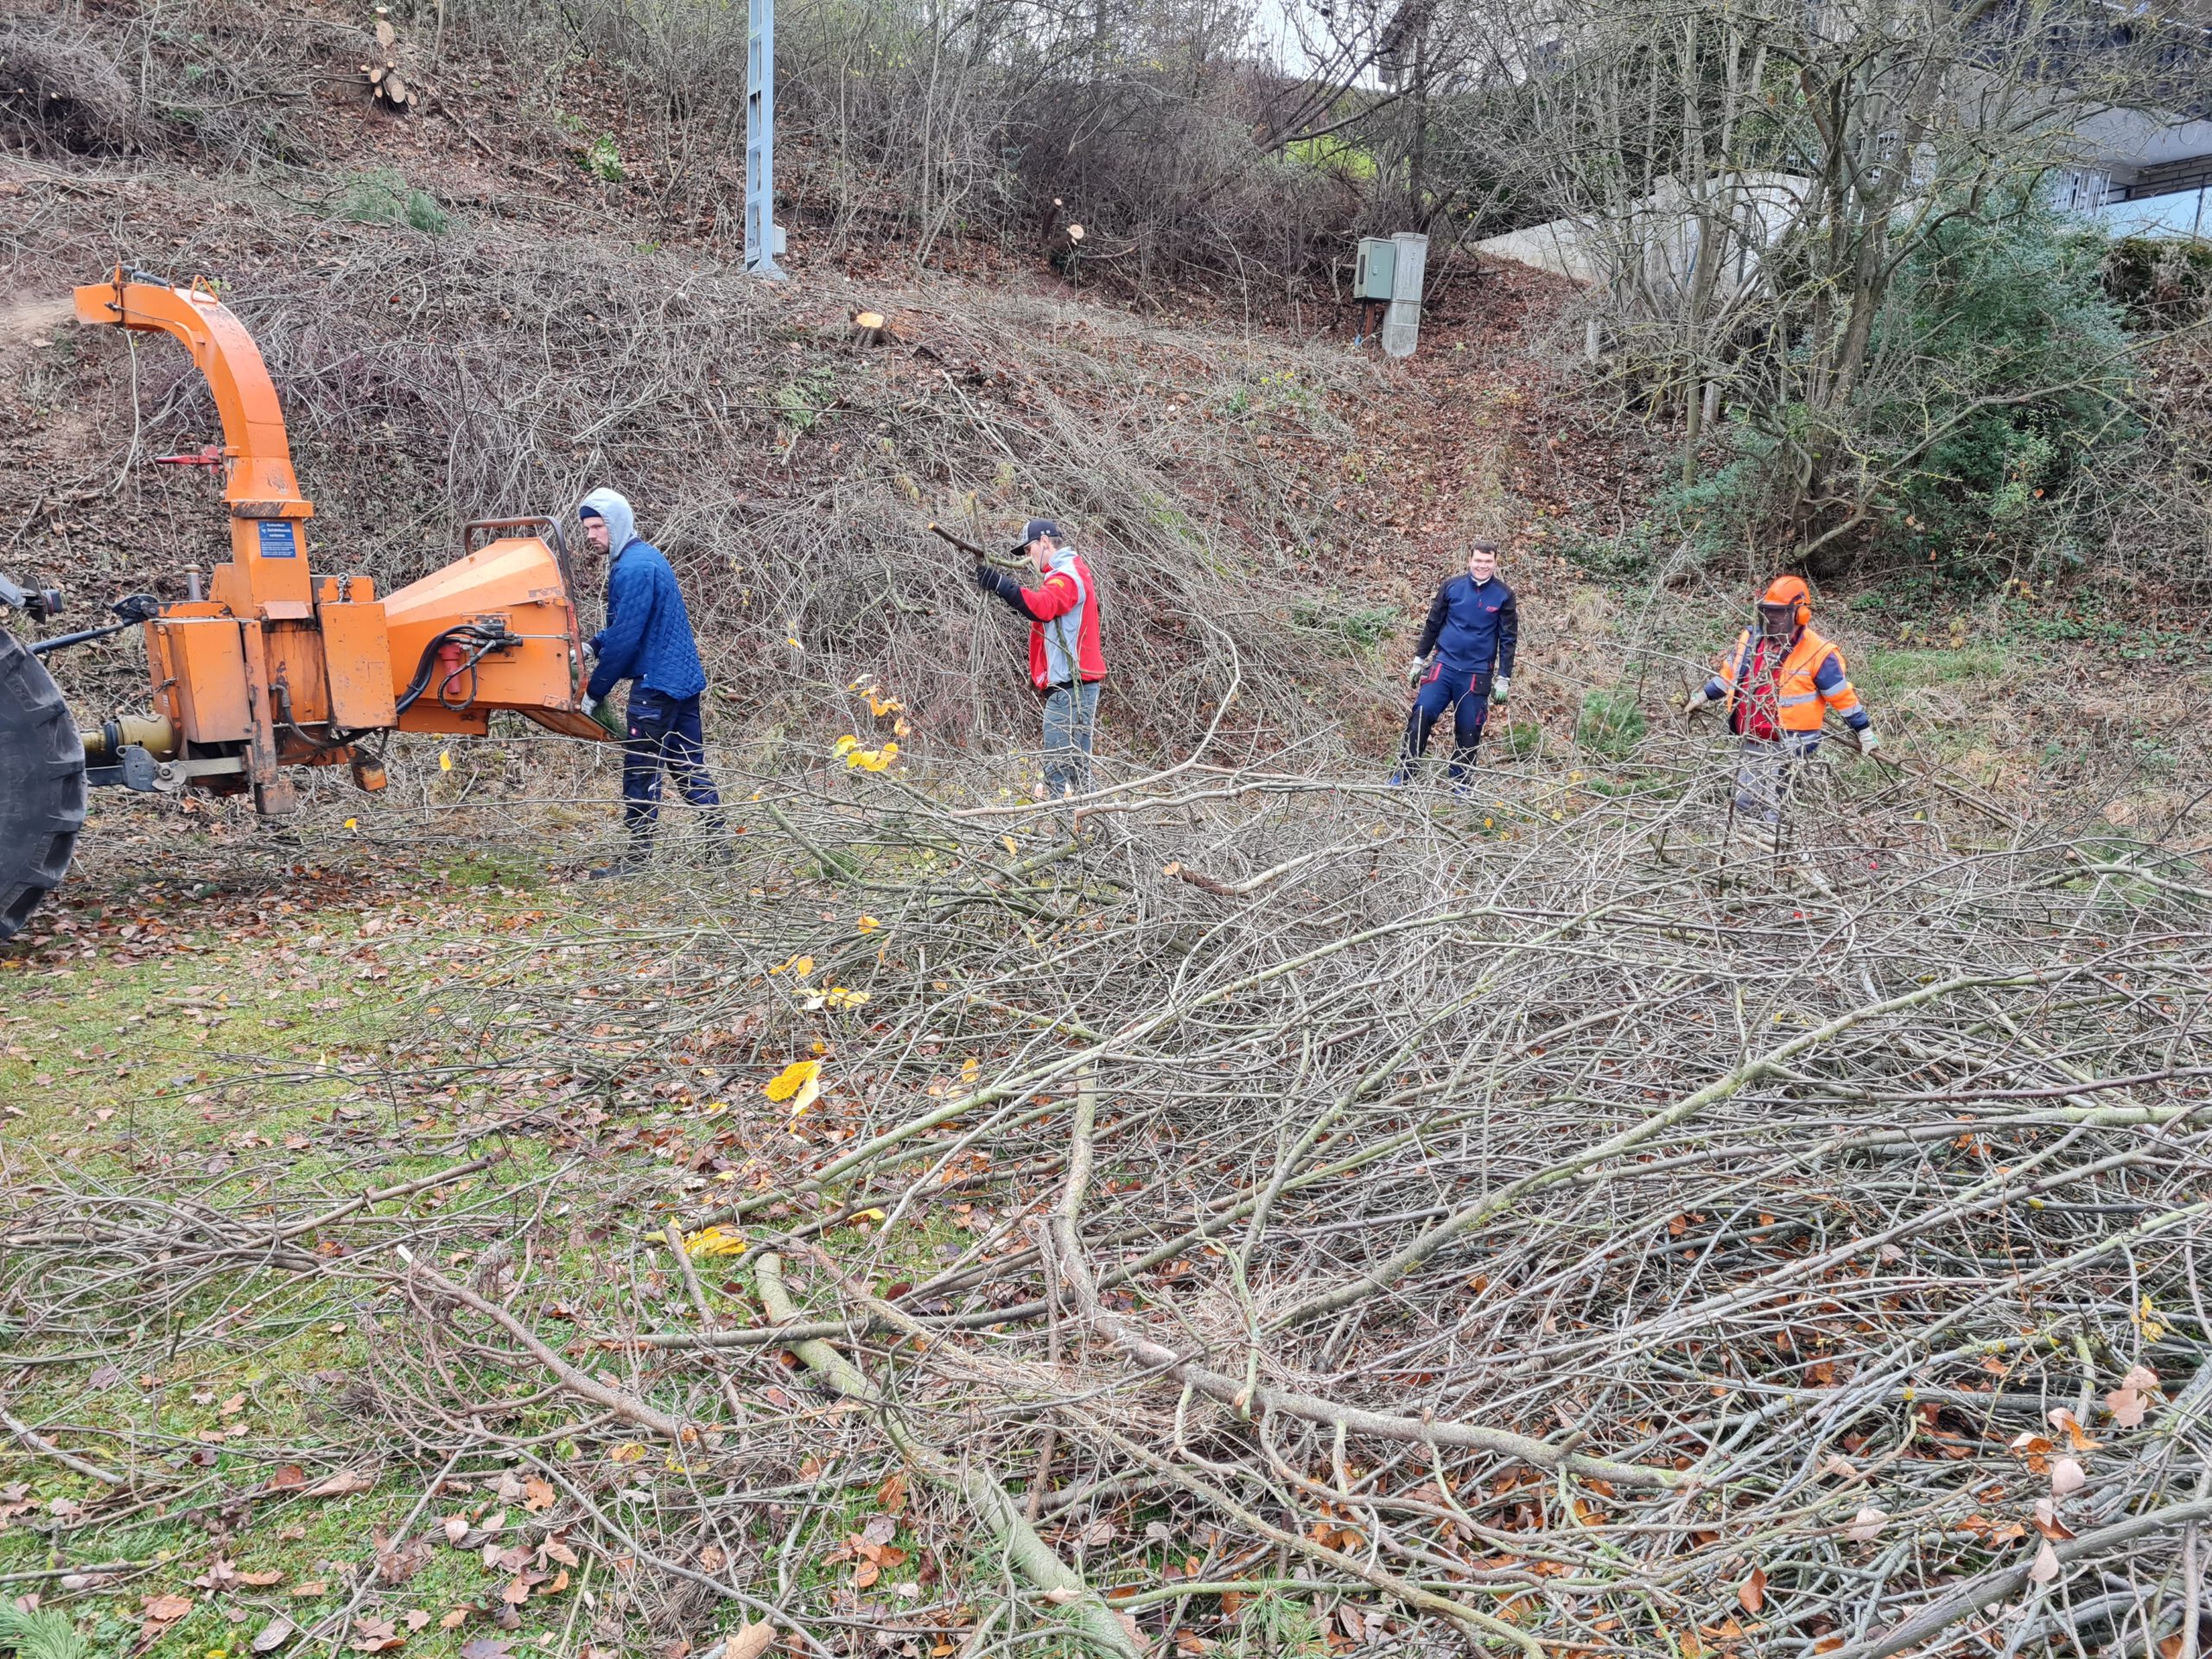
x=1446, y=688
x=1071, y=718
x=665, y=732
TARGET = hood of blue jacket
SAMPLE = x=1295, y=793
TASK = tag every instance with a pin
x=621, y=522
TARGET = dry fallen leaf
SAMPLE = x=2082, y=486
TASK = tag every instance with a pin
x=2066, y=1476
x=2047, y=1521
x=1867, y=1526
x=2045, y=1565
x=1752, y=1593
x=2062, y=1418
x=457, y=1527
x=344, y=1484
x=751, y=1642
x=376, y=1636
x=537, y=1494
x=273, y=1635
x=555, y=1549
x=166, y=1610
x=453, y=1618
x=1061, y=1596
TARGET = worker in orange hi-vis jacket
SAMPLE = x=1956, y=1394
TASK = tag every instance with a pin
x=1777, y=685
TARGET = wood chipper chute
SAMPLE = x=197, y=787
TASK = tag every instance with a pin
x=270, y=665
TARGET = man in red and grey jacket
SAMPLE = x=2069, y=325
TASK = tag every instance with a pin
x=1065, y=663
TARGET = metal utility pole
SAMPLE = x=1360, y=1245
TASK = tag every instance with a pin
x=764, y=237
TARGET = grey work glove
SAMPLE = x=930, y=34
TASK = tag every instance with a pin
x=1869, y=741
x=1414, y=670
x=1696, y=700
x=1500, y=690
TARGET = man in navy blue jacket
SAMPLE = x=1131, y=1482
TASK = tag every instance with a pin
x=1474, y=630
x=648, y=641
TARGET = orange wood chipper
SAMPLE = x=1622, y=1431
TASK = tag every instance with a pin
x=270, y=665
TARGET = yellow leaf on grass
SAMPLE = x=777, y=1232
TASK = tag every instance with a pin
x=868, y=924
x=712, y=1241
x=846, y=744
x=793, y=1078
x=799, y=966
x=445, y=760
x=629, y=1453
x=880, y=706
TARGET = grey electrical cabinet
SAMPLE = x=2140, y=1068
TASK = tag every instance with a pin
x=1376, y=270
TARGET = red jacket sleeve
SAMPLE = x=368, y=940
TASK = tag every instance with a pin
x=1056, y=595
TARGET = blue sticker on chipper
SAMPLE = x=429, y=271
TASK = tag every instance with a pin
x=277, y=542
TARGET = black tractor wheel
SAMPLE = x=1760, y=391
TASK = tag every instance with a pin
x=41, y=784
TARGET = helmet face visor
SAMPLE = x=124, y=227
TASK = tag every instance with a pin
x=1776, y=619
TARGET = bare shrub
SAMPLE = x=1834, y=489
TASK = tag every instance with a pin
x=62, y=92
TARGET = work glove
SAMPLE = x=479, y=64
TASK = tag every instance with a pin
x=1869, y=741
x=1498, y=691
x=602, y=709
x=1696, y=700
x=1414, y=670
x=591, y=652
x=997, y=581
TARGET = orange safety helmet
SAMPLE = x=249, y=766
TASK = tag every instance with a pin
x=1790, y=590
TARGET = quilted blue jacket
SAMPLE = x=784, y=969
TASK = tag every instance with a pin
x=648, y=636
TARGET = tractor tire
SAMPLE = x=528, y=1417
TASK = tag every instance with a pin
x=41, y=784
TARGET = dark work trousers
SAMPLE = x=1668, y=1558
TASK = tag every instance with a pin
x=1446, y=688
x=665, y=732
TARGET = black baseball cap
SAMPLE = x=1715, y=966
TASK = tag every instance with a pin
x=1035, y=528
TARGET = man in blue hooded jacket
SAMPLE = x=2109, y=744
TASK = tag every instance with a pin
x=648, y=641
x=1473, y=628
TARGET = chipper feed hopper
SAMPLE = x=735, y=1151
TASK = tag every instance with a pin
x=270, y=665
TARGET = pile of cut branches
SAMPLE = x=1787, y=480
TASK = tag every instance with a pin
x=1244, y=1209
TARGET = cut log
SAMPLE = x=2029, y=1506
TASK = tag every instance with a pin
x=869, y=329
